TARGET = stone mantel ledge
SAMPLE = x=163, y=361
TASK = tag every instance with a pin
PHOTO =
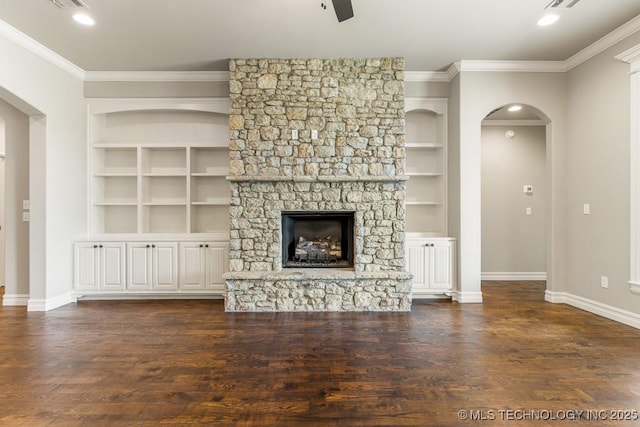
x=319, y=178
x=295, y=274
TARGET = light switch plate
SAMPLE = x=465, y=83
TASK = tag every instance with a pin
x=586, y=209
x=26, y=205
x=314, y=134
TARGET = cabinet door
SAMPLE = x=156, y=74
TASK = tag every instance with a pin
x=165, y=266
x=217, y=264
x=87, y=267
x=139, y=271
x=418, y=265
x=192, y=266
x=441, y=263
x=112, y=266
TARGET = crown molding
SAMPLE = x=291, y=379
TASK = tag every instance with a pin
x=35, y=47
x=615, y=36
x=426, y=76
x=631, y=57
x=513, y=66
x=157, y=76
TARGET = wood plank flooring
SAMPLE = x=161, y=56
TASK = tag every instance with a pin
x=186, y=363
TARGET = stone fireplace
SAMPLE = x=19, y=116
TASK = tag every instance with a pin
x=317, y=152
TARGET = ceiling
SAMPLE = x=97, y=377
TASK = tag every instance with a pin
x=201, y=35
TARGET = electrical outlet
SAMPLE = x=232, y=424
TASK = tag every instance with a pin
x=26, y=205
x=586, y=209
x=528, y=211
x=25, y=216
x=604, y=281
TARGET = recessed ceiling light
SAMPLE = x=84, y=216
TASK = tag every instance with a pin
x=515, y=108
x=83, y=19
x=548, y=19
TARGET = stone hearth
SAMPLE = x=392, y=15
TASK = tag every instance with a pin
x=354, y=164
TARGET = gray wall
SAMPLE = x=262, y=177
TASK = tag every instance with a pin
x=512, y=241
x=598, y=174
x=16, y=190
x=480, y=93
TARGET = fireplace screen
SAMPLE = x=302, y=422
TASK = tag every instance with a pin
x=317, y=239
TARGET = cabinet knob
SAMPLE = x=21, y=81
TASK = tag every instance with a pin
x=201, y=245
x=206, y=246
x=153, y=246
x=100, y=246
x=148, y=246
x=95, y=246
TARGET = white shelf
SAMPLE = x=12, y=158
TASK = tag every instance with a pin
x=426, y=166
x=432, y=174
x=425, y=145
x=159, y=170
x=422, y=203
x=213, y=202
x=213, y=172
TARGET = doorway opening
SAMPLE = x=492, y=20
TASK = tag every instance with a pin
x=514, y=194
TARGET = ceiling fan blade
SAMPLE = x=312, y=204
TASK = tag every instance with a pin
x=343, y=9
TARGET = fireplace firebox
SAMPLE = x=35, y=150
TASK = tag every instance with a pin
x=319, y=239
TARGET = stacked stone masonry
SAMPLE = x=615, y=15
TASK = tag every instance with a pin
x=356, y=164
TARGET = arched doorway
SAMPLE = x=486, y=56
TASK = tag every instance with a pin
x=514, y=194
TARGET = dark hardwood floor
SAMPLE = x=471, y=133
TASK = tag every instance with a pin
x=184, y=363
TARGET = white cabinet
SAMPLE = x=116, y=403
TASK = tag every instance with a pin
x=152, y=266
x=159, y=166
x=202, y=265
x=432, y=263
x=426, y=166
x=99, y=266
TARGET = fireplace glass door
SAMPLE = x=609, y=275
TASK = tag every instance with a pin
x=317, y=239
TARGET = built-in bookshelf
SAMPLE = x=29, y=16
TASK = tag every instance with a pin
x=159, y=166
x=426, y=166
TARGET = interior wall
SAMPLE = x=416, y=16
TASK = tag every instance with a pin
x=513, y=240
x=53, y=99
x=2, y=202
x=16, y=131
x=480, y=92
x=598, y=103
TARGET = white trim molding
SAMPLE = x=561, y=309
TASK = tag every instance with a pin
x=466, y=297
x=595, y=307
x=39, y=49
x=635, y=287
x=513, y=66
x=489, y=122
x=15, y=300
x=50, y=303
x=605, y=42
x=157, y=76
x=427, y=76
x=514, y=276
x=632, y=57
x=108, y=105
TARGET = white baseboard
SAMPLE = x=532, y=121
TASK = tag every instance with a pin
x=15, y=300
x=467, y=297
x=113, y=296
x=542, y=275
x=50, y=303
x=595, y=307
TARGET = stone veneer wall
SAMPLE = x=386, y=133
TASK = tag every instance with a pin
x=357, y=163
